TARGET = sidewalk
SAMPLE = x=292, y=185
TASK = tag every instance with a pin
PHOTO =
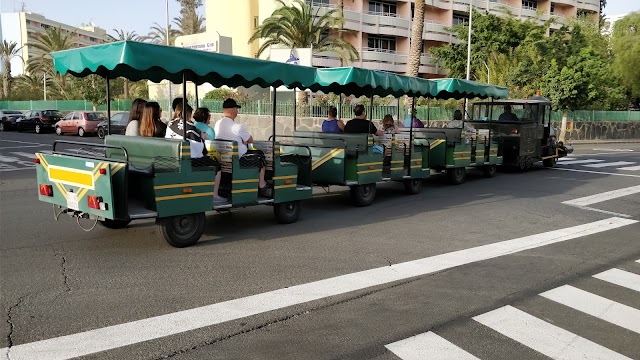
x=603, y=141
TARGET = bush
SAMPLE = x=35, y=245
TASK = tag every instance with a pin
x=219, y=94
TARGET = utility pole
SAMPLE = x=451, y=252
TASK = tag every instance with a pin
x=466, y=101
x=168, y=44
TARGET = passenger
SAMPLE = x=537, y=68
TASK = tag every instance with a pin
x=389, y=125
x=227, y=129
x=202, y=116
x=507, y=115
x=457, y=122
x=135, y=114
x=332, y=125
x=413, y=118
x=360, y=124
x=177, y=101
x=150, y=123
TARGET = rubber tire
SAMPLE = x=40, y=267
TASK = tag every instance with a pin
x=101, y=133
x=457, y=176
x=363, y=195
x=114, y=224
x=287, y=212
x=549, y=163
x=530, y=163
x=413, y=186
x=37, y=129
x=490, y=171
x=81, y=132
x=58, y=130
x=1, y=126
x=522, y=164
x=182, y=230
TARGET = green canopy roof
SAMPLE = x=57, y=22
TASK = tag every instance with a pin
x=460, y=89
x=358, y=82
x=137, y=61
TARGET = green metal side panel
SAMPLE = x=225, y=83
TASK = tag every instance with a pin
x=184, y=192
x=367, y=168
x=74, y=179
x=328, y=165
x=438, y=153
x=459, y=155
x=286, y=186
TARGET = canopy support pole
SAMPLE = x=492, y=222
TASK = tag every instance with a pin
x=295, y=109
x=197, y=99
x=340, y=107
x=108, y=105
x=428, y=112
x=184, y=105
x=413, y=108
x=273, y=121
x=489, y=144
x=400, y=123
x=371, y=110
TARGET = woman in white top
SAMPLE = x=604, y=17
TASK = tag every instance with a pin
x=133, y=127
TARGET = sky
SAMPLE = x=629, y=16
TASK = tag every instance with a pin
x=139, y=15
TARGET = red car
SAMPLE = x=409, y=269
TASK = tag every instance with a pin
x=80, y=122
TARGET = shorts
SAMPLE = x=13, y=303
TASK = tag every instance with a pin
x=253, y=158
x=205, y=161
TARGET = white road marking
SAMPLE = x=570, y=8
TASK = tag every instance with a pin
x=564, y=159
x=630, y=168
x=4, y=168
x=8, y=159
x=428, y=346
x=610, y=164
x=19, y=147
x=614, y=150
x=605, y=196
x=603, y=211
x=588, y=161
x=597, y=306
x=544, y=337
x=24, y=154
x=24, y=142
x=117, y=336
x=596, y=172
x=620, y=278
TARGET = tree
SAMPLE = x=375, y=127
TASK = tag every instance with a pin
x=158, y=35
x=29, y=87
x=53, y=39
x=626, y=47
x=8, y=51
x=297, y=26
x=189, y=22
x=415, y=53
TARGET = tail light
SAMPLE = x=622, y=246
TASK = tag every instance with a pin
x=46, y=190
x=84, y=116
x=36, y=160
x=95, y=202
x=43, y=119
x=514, y=131
x=103, y=171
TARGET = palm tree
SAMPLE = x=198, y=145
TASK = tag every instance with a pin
x=8, y=51
x=192, y=24
x=158, y=35
x=416, y=39
x=53, y=39
x=297, y=26
x=123, y=35
x=31, y=84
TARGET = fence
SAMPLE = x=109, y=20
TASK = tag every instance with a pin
x=287, y=109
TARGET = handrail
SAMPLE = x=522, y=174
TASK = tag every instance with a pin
x=104, y=146
x=311, y=137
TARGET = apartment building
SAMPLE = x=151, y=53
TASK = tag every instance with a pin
x=382, y=28
x=23, y=28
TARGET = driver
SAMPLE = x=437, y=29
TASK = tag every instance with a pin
x=507, y=115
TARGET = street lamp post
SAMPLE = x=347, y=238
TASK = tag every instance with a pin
x=488, y=72
x=466, y=102
x=168, y=44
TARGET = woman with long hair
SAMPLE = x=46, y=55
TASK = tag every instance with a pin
x=135, y=114
x=150, y=124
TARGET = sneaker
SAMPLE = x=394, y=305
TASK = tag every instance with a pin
x=265, y=191
x=217, y=201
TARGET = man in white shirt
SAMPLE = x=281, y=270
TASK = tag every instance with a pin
x=227, y=129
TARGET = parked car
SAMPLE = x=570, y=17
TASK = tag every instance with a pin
x=8, y=119
x=38, y=120
x=80, y=122
x=119, y=124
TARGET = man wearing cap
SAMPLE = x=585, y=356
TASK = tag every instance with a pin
x=227, y=129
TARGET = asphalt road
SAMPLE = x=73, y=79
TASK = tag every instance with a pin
x=522, y=266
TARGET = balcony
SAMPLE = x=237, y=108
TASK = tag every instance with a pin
x=589, y=5
x=501, y=7
x=374, y=23
x=437, y=32
x=568, y=2
x=388, y=60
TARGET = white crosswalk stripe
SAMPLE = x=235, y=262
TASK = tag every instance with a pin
x=575, y=162
x=598, y=306
x=428, y=346
x=630, y=168
x=621, y=278
x=24, y=154
x=610, y=164
x=544, y=337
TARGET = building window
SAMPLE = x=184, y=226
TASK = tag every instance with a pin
x=256, y=22
x=382, y=44
x=460, y=19
x=318, y=2
x=553, y=8
x=530, y=5
x=382, y=8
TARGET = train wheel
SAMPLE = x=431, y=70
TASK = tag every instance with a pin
x=287, y=212
x=522, y=163
x=413, y=186
x=363, y=195
x=457, y=175
x=490, y=171
x=549, y=163
x=114, y=224
x=182, y=230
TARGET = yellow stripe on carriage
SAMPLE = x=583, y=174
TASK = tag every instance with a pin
x=183, y=196
x=397, y=161
x=436, y=143
x=244, y=191
x=371, y=164
x=71, y=177
x=285, y=177
x=285, y=186
x=116, y=168
x=369, y=171
x=331, y=154
x=245, y=181
x=396, y=169
x=174, y=186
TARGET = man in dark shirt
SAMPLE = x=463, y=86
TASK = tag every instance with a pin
x=507, y=115
x=360, y=124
